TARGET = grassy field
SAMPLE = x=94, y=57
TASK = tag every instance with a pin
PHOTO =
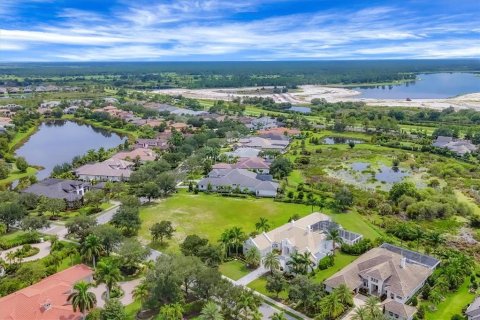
x=353, y=221
x=260, y=286
x=209, y=215
x=453, y=304
x=15, y=174
x=341, y=261
x=234, y=269
x=132, y=309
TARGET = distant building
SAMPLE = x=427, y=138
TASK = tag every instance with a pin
x=263, y=144
x=143, y=155
x=459, y=146
x=263, y=123
x=244, y=153
x=258, y=184
x=47, y=299
x=108, y=170
x=253, y=164
x=69, y=190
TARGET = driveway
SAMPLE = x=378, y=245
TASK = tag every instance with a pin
x=44, y=251
x=358, y=301
x=127, y=287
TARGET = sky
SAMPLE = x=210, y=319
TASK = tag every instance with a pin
x=214, y=30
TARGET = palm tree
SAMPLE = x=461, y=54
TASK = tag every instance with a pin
x=361, y=313
x=91, y=248
x=345, y=295
x=300, y=263
x=210, y=311
x=435, y=239
x=226, y=240
x=262, y=225
x=171, y=312
x=372, y=305
x=141, y=292
x=333, y=234
x=108, y=272
x=271, y=261
x=238, y=236
x=82, y=299
x=331, y=306
x=252, y=257
x=278, y=316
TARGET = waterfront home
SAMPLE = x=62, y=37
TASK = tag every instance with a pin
x=47, y=299
x=157, y=143
x=306, y=235
x=72, y=191
x=142, y=154
x=220, y=180
x=280, y=131
x=263, y=123
x=108, y=170
x=459, y=146
x=243, y=153
x=391, y=273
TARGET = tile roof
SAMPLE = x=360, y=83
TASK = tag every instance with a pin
x=57, y=189
x=403, y=310
x=143, y=153
x=30, y=303
x=110, y=167
x=242, y=178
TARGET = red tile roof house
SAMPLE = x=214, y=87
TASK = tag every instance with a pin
x=47, y=299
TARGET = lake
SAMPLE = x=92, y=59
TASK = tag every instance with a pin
x=340, y=140
x=427, y=86
x=58, y=142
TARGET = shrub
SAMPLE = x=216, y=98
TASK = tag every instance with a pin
x=358, y=248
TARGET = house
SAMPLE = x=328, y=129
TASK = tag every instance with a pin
x=255, y=164
x=262, y=123
x=263, y=144
x=389, y=272
x=244, y=153
x=157, y=143
x=459, y=146
x=69, y=190
x=47, y=299
x=142, y=154
x=258, y=184
x=280, y=131
x=178, y=126
x=308, y=234
x=108, y=170
x=473, y=310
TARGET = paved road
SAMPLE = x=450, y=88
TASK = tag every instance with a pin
x=58, y=228
x=44, y=251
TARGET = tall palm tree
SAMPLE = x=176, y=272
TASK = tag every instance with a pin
x=333, y=234
x=271, y=261
x=262, y=225
x=108, y=272
x=372, y=305
x=82, y=299
x=226, y=240
x=210, y=311
x=361, y=313
x=238, y=236
x=300, y=263
x=141, y=292
x=91, y=248
x=345, y=295
x=331, y=306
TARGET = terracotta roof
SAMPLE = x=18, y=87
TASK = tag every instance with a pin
x=47, y=299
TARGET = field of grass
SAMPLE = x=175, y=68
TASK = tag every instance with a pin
x=260, y=286
x=353, y=221
x=15, y=174
x=234, y=269
x=132, y=309
x=341, y=261
x=209, y=215
x=453, y=304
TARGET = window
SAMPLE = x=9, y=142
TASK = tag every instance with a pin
x=374, y=280
x=392, y=296
x=399, y=298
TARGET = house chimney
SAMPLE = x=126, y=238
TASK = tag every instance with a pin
x=403, y=262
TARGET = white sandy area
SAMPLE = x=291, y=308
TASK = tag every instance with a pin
x=332, y=94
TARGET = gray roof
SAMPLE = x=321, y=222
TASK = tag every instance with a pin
x=110, y=167
x=458, y=146
x=244, y=153
x=57, y=189
x=473, y=310
x=239, y=177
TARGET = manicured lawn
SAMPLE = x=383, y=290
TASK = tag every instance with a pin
x=453, y=304
x=15, y=175
x=260, y=286
x=341, y=261
x=12, y=237
x=209, y=215
x=234, y=269
x=353, y=221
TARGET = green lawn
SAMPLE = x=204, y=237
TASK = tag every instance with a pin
x=17, y=236
x=209, y=215
x=354, y=221
x=16, y=174
x=234, y=269
x=132, y=309
x=453, y=304
x=260, y=286
x=341, y=261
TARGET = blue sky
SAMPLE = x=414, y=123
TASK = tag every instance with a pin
x=188, y=30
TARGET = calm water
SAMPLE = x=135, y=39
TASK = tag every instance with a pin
x=58, y=142
x=304, y=110
x=427, y=86
x=340, y=140
x=390, y=175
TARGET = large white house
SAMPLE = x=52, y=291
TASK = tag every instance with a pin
x=308, y=234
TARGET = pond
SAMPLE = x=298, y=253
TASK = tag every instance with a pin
x=304, y=110
x=60, y=141
x=427, y=86
x=390, y=174
x=341, y=140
